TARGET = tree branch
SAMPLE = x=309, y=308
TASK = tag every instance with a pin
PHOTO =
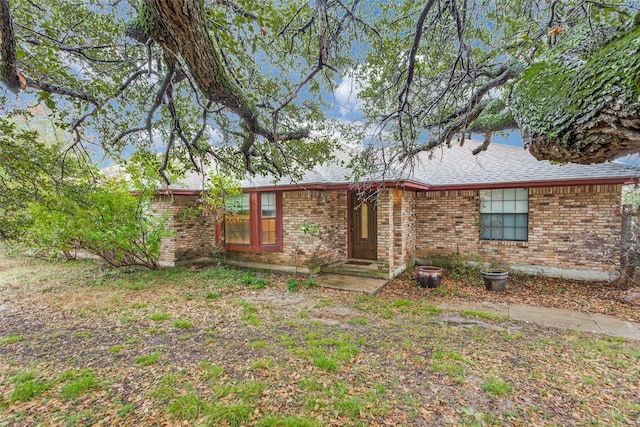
x=8, y=59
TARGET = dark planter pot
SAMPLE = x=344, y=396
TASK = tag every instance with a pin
x=495, y=280
x=428, y=276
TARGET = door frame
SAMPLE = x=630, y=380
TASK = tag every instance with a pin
x=351, y=204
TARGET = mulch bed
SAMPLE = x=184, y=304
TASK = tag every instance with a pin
x=592, y=297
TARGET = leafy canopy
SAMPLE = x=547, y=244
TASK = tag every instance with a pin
x=249, y=82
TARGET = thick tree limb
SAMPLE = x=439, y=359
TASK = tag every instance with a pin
x=179, y=27
x=8, y=59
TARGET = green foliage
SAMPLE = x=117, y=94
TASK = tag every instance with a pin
x=253, y=282
x=55, y=201
x=292, y=285
x=309, y=230
x=589, y=66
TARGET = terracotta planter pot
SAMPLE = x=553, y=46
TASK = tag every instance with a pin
x=495, y=280
x=428, y=276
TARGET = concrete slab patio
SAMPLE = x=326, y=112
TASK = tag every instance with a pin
x=368, y=285
x=555, y=317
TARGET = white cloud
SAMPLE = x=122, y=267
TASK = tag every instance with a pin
x=349, y=105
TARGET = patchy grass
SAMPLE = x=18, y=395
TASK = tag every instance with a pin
x=496, y=387
x=160, y=317
x=77, y=383
x=85, y=345
x=182, y=324
x=146, y=360
x=483, y=315
x=11, y=339
x=27, y=386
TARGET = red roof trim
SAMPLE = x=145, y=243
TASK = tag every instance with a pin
x=530, y=184
x=410, y=185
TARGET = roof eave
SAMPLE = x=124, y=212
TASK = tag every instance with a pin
x=530, y=184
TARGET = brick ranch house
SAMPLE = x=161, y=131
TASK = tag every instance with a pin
x=501, y=205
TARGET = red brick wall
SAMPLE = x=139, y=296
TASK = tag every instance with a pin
x=563, y=222
x=194, y=234
x=396, y=229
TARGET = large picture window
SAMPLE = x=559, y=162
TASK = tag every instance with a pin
x=254, y=222
x=504, y=214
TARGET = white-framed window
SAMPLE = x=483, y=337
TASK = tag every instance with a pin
x=504, y=214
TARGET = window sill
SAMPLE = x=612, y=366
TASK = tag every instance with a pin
x=516, y=243
x=274, y=248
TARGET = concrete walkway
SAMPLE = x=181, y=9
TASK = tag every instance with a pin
x=555, y=317
x=368, y=285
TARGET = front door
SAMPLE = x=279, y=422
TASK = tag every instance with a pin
x=364, y=242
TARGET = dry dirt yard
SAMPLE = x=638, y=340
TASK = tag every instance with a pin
x=81, y=344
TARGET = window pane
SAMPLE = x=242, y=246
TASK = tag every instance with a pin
x=486, y=233
x=268, y=219
x=522, y=194
x=237, y=227
x=364, y=221
x=485, y=201
x=496, y=233
x=238, y=204
x=509, y=206
x=496, y=206
x=509, y=220
x=521, y=234
x=522, y=221
x=268, y=204
x=522, y=206
x=509, y=233
x=237, y=230
x=268, y=231
x=509, y=194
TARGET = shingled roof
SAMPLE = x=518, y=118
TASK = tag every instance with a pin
x=454, y=167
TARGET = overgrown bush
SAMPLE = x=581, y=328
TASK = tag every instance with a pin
x=54, y=200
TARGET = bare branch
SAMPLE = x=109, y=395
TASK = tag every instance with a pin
x=60, y=90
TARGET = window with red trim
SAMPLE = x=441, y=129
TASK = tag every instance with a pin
x=254, y=222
